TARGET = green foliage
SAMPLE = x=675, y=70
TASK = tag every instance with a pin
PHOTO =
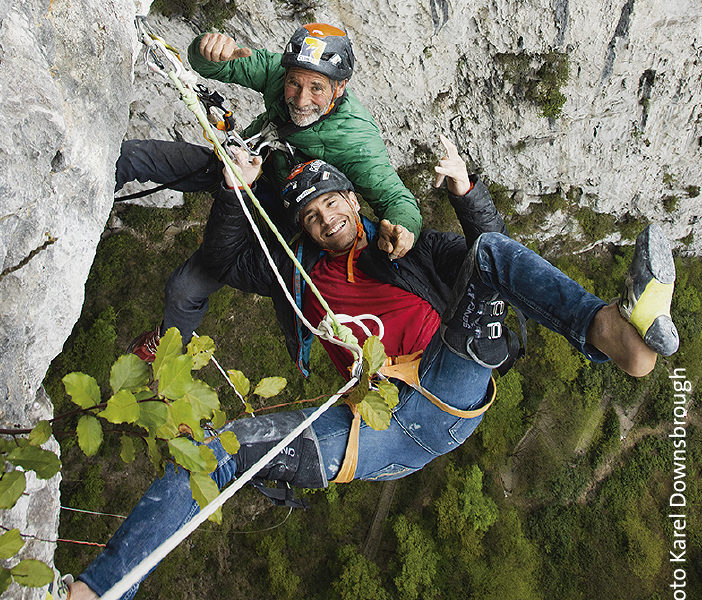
x=284, y=583
x=359, y=578
x=17, y=458
x=537, y=78
x=595, y=226
x=213, y=13
x=418, y=560
x=609, y=440
x=374, y=402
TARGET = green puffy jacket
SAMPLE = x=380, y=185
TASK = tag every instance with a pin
x=348, y=138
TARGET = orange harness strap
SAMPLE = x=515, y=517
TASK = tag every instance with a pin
x=406, y=369
x=348, y=467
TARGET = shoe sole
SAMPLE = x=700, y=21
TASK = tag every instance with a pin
x=648, y=290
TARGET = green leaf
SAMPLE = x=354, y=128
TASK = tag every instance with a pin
x=170, y=346
x=82, y=389
x=44, y=462
x=152, y=415
x=121, y=408
x=144, y=394
x=209, y=457
x=204, y=490
x=187, y=454
x=12, y=486
x=40, y=434
x=219, y=419
x=241, y=383
x=5, y=580
x=89, y=433
x=129, y=373
x=248, y=408
x=127, y=452
x=374, y=353
x=10, y=543
x=32, y=573
x=155, y=455
x=375, y=411
x=389, y=392
x=175, y=376
x=270, y=386
x=229, y=442
x=201, y=349
x=202, y=398
x=181, y=412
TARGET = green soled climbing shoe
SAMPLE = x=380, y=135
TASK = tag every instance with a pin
x=58, y=588
x=648, y=290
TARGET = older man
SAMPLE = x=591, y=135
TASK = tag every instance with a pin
x=432, y=302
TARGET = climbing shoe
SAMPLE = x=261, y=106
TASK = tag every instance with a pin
x=648, y=290
x=145, y=345
x=58, y=588
x=473, y=324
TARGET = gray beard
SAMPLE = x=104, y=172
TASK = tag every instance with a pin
x=309, y=119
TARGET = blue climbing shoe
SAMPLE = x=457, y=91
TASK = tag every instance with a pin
x=648, y=290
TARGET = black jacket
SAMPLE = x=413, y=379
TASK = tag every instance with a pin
x=233, y=255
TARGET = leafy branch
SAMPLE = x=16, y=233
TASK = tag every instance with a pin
x=176, y=415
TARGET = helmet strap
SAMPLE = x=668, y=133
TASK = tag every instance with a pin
x=334, y=97
x=359, y=236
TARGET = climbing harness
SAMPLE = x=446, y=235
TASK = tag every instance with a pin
x=406, y=369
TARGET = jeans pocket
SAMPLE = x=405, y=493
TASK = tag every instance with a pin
x=392, y=471
x=461, y=430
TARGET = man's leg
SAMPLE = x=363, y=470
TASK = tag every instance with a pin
x=168, y=503
x=188, y=290
x=188, y=167
x=548, y=296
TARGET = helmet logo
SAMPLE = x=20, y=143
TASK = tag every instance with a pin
x=306, y=193
x=311, y=50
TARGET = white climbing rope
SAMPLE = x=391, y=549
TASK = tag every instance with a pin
x=149, y=562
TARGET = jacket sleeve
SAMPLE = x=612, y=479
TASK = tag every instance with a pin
x=477, y=212
x=230, y=251
x=367, y=164
x=256, y=72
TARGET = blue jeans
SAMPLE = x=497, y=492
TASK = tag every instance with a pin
x=418, y=431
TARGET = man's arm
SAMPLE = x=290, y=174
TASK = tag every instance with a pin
x=229, y=249
x=359, y=152
x=469, y=196
x=217, y=56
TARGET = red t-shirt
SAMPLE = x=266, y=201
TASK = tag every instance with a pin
x=409, y=321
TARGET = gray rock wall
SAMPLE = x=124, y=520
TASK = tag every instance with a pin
x=630, y=128
x=65, y=75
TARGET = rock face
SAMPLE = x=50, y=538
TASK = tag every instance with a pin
x=628, y=139
x=600, y=98
x=65, y=71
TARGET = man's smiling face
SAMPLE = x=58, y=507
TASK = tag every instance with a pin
x=309, y=95
x=330, y=220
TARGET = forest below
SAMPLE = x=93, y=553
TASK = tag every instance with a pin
x=562, y=492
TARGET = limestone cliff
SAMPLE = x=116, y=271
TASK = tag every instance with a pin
x=65, y=72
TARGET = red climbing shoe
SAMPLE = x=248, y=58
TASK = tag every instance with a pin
x=145, y=345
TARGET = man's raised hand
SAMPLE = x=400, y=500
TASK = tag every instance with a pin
x=248, y=167
x=453, y=167
x=396, y=240
x=218, y=47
